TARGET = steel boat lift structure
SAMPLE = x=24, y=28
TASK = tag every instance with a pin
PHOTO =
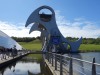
x=51, y=37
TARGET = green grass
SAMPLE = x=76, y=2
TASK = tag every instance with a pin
x=36, y=45
x=89, y=47
x=33, y=45
x=37, y=56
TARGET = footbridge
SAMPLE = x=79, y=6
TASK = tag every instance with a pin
x=68, y=65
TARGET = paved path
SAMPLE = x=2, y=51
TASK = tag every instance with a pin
x=10, y=59
x=56, y=72
x=4, y=60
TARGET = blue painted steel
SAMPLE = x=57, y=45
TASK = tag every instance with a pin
x=55, y=40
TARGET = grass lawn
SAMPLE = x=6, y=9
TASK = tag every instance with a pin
x=36, y=45
x=89, y=47
x=33, y=45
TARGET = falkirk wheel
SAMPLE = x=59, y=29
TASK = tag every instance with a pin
x=51, y=38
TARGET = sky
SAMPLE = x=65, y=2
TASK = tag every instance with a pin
x=75, y=18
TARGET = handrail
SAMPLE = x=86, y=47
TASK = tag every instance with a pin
x=78, y=59
x=62, y=60
x=83, y=60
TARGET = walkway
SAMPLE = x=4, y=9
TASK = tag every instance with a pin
x=56, y=72
x=7, y=60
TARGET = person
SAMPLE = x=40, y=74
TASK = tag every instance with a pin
x=1, y=56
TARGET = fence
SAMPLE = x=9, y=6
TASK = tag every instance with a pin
x=68, y=65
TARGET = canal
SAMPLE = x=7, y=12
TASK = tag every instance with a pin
x=30, y=65
x=83, y=68
x=33, y=64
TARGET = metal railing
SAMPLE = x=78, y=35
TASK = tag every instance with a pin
x=6, y=55
x=67, y=65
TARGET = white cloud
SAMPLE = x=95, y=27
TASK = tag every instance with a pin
x=17, y=30
x=76, y=28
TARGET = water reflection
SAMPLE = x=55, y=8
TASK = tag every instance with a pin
x=30, y=65
x=82, y=68
x=78, y=66
x=23, y=69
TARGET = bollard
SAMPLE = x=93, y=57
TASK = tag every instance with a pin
x=70, y=67
x=55, y=62
x=61, y=67
x=93, y=67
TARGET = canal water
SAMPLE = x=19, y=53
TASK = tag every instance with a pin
x=83, y=68
x=33, y=65
x=30, y=65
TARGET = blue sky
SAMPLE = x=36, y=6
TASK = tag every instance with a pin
x=79, y=17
